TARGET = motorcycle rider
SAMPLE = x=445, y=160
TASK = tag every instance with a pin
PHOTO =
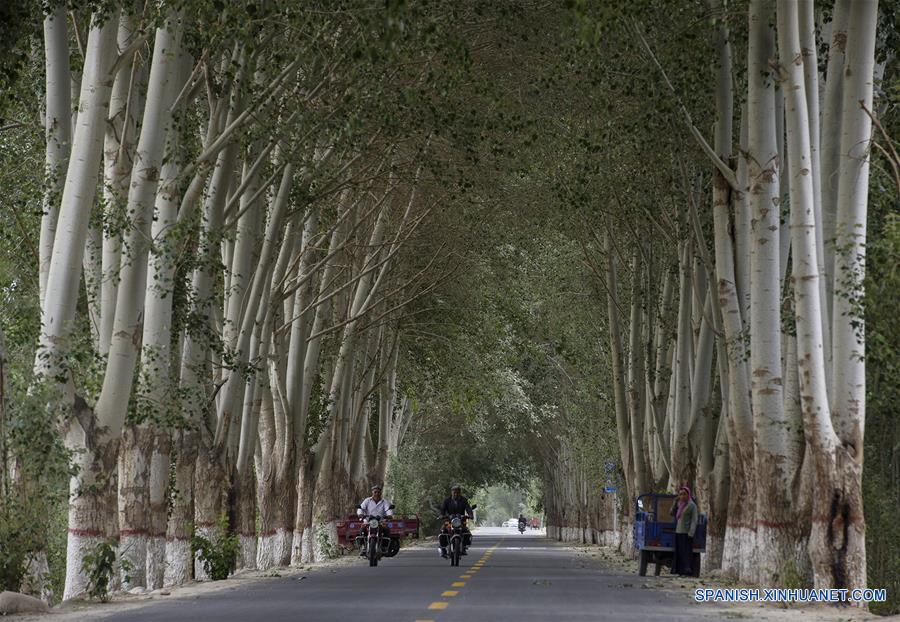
x=373, y=506
x=522, y=520
x=456, y=504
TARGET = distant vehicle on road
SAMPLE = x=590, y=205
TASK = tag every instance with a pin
x=654, y=533
x=511, y=522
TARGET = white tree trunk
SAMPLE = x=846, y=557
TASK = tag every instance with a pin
x=837, y=542
x=129, y=315
x=742, y=225
x=831, y=143
x=702, y=439
x=773, y=481
x=160, y=463
x=126, y=99
x=636, y=380
x=127, y=326
x=89, y=515
x=806, y=242
x=239, y=279
x=143, y=540
x=849, y=377
x=615, y=347
x=78, y=194
x=179, y=560
x=733, y=287
x=808, y=48
x=57, y=131
x=682, y=464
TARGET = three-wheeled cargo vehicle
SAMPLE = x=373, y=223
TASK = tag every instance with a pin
x=654, y=533
x=399, y=527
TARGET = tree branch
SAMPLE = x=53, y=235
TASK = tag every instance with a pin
x=726, y=171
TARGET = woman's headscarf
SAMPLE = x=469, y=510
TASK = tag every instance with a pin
x=683, y=504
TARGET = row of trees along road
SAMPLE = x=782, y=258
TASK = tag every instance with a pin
x=261, y=255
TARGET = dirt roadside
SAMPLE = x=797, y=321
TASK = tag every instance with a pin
x=685, y=588
x=85, y=611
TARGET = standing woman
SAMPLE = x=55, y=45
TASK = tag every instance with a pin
x=685, y=513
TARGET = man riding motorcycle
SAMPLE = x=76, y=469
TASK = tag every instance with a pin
x=523, y=522
x=374, y=506
x=456, y=504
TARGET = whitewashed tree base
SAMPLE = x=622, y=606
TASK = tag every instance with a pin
x=156, y=562
x=77, y=546
x=606, y=537
x=199, y=570
x=178, y=562
x=330, y=529
x=712, y=544
x=780, y=555
x=247, y=555
x=133, y=549
x=297, y=552
x=273, y=548
x=626, y=539
x=303, y=551
x=739, y=552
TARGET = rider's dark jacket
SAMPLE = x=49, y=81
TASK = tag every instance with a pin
x=459, y=505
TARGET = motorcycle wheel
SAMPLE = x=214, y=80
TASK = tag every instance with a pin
x=394, y=548
x=373, y=552
x=454, y=552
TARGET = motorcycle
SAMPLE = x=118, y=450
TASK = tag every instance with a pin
x=521, y=526
x=375, y=541
x=455, y=536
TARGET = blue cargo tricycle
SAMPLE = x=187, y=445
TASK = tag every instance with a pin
x=654, y=533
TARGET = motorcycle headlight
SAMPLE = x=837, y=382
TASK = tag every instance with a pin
x=456, y=522
x=373, y=523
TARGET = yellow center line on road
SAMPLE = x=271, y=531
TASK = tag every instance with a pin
x=440, y=605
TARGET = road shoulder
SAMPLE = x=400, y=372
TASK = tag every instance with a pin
x=625, y=571
x=120, y=602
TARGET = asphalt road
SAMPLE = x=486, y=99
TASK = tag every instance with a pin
x=506, y=576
